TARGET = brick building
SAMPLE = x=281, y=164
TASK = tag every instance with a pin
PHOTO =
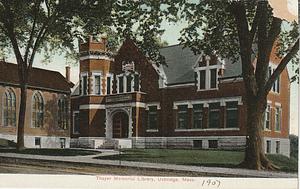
x=48, y=107
x=193, y=102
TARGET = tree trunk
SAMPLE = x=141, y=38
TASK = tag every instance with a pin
x=254, y=155
x=21, y=122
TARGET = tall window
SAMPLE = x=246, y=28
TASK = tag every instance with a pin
x=197, y=116
x=108, y=85
x=97, y=84
x=214, y=115
x=231, y=114
x=63, y=113
x=9, y=108
x=136, y=82
x=268, y=149
x=152, y=117
x=213, y=78
x=182, y=117
x=128, y=83
x=276, y=85
x=37, y=110
x=76, y=123
x=267, y=118
x=121, y=84
x=202, y=79
x=84, y=84
x=277, y=147
x=277, y=119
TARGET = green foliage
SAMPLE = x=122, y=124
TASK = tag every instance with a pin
x=212, y=29
x=294, y=146
x=51, y=26
x=285, y=164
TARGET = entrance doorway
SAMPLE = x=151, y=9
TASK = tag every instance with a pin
x=120, y=125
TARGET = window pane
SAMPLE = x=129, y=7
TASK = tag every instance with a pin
x=136, y=82
x=231, y=114
x=182, y=116
x=97, y=85
x=84, y=85
x=128, y=83
x=197, y=116
x=121, y=85
x=214, y=115
x=76, y=123
x=202, y=79
x=267, y=117
x=108, y=81
x=152, y=118
x=213, y=78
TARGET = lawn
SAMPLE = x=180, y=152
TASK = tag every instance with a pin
x=211, y=158
x=52, y=152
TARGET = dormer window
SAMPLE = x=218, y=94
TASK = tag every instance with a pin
x=207, y=74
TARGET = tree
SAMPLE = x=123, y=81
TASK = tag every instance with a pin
x=242, y=29
x=29, y=27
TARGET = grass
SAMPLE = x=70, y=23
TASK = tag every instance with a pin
x=209, y=158
x=51, y=152
x=286, y=164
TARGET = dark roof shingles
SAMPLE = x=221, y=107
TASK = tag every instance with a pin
x=180, y=62
x=38, y=78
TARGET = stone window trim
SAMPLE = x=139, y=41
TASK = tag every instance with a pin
x=278, y=112
x=84, y=74
x=269, y=105
x=111, y=76
x=73, y=118
x=94, y=75
x=152, y=113
x=63, y=113
x=157, y=104
x=9, y=95
x=206, y=102
x=41, y=110
x=125, y=75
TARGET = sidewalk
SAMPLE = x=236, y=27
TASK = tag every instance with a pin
x=206, y=170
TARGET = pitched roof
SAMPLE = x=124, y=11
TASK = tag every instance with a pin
x=180, y=62
x=38, y=78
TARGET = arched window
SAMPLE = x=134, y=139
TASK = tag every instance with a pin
x=9, y=108
x=37, y=110
x=63, y=113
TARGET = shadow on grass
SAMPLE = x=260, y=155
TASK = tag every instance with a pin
x=51, y=152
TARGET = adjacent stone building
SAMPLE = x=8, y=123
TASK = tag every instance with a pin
x=193, y=101
x=47, y=122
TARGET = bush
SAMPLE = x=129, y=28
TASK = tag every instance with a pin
x=294, y=146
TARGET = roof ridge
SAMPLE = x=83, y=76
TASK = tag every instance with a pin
x=36, y=68
x=171, y=46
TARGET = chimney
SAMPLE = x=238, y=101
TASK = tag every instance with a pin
x=68, y=71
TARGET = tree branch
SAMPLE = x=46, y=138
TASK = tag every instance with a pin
x=239, y=12
x=29, y=43
x=254, y=25
x=282, y=65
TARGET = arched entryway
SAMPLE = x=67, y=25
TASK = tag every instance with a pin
x=120, y=125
